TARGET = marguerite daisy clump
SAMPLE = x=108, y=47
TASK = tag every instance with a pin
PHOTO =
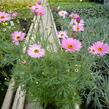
x=36, y=51
x=17, y=37
x=71, y=45
x=99, y=48
x=4, y=17
x=77, y=23
x=60, y=71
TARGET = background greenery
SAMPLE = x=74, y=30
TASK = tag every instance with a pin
x=72, y=1
x=17, y=3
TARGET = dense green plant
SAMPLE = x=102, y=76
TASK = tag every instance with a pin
x=56, y=79
x=60, y=78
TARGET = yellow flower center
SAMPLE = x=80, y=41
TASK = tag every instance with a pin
x=62, y=13
x=78, y=28
x=62, y=34
x=36, y=51
x=70, y=46
x=18, y=37
x=2, y=17
x=100, y=49
x=36, y=8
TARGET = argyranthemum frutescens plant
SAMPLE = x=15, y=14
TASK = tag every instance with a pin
x=58, y=78
x=10, y=20
x=93, y=33
x=7, y=25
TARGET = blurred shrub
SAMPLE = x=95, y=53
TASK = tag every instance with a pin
x=16, y=3
x=68, y=0
x=99, y=1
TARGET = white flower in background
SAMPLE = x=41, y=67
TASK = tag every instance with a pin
x=63, y=14
x=62, y=34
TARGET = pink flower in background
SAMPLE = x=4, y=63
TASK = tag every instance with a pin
x=74, y=16
x=36, y=7
x=17, y=37
x=71, y=45
x=99, y=48
x=4, y=17
x=62, y=34
x=62, y=13
x=36, y=51
x=41, y=12
x=79, y=21
x=38, y=10
x=78, y=28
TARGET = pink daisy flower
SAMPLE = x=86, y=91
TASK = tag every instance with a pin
x=62, y=34
x=41, y=12
x=36, y=51
x=78, y=28
x=62, y=13
x=36, y=7
x=38, y=10
x=4, y=17
x=99, y=48
x=71, y=45
x=17, y=37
